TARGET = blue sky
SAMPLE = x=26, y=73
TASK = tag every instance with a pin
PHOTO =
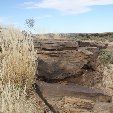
x=61, y=16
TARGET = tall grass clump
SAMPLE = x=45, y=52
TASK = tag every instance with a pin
x=18, y=57
x=106, y=62
x=13, y=100
x=17, y=72
x=107, y=80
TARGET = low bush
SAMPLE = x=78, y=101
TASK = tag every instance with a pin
x=106, y=57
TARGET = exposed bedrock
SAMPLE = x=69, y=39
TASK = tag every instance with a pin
x=68, y=60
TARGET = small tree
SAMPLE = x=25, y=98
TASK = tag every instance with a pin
x=30, y=23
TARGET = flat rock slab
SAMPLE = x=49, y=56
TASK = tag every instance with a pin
x=60, y=60
x=72, y=90
x=102, y=107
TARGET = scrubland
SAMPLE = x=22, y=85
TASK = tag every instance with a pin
x=18, y=69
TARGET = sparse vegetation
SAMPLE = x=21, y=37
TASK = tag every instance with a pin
x=107, y=80
x=30, y=23
x=80, y=36
x=106, y=57
x=17, y=66
x=106, y=60
x=13, y=99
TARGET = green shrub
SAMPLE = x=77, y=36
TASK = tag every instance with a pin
x=106, y=57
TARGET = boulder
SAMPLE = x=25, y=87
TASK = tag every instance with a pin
x=60, y=60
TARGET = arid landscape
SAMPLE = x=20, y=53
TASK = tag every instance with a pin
x=75, y=75
x=56, y=56
x=55, y=73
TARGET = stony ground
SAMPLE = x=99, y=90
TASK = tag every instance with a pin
x=77, y=100
x=70, y=78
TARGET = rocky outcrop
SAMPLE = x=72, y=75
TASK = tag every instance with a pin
x=72, y=90
x=71, y=67
x=60, y=60
x=73, y=98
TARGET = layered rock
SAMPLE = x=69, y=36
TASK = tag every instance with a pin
x=70, y=62
x=73, y=98
x=60, y=60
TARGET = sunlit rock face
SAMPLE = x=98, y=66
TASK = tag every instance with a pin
x=67, y=60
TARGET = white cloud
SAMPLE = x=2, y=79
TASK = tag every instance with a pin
x=68, y=6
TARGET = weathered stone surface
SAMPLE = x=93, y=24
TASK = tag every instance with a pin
x=72, y=90
x=99, y=45
x=55, y=45
x=69, y=62
x=102, y=107
x=63, y=66
x=73, y=98
x=61, y=59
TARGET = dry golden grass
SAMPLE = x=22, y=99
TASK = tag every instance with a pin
x=107, y=80
x=17, y=72
x=18, y=57
x=13, y=100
